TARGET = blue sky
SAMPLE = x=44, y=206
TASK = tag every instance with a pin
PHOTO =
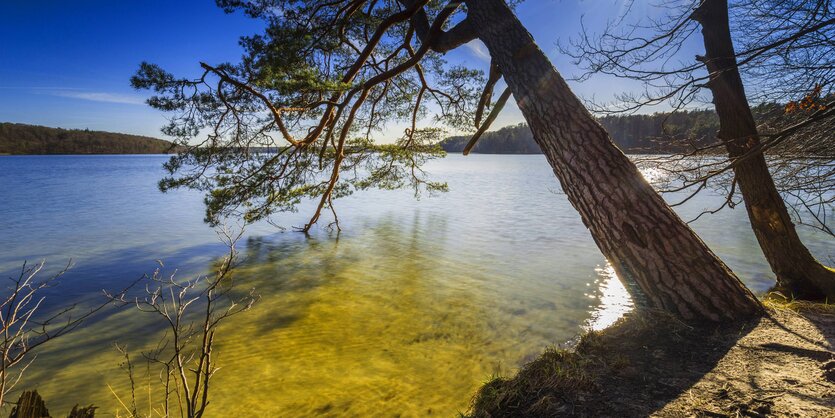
x=67, y=63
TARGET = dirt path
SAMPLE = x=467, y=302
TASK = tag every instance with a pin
x=783, y=367
x=780, y=365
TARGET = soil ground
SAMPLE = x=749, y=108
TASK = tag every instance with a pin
x=649, y=365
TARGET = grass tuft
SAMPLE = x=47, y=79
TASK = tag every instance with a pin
x=778, y=301
x=560, y=379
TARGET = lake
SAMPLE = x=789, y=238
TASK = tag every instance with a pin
x=406, y=312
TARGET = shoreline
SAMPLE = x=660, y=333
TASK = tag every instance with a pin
x=782, y=364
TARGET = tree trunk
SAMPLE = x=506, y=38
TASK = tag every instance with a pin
x=636, y=230
x=797, y=270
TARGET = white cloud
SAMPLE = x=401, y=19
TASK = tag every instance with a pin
x=99, y=96
x=478, y=49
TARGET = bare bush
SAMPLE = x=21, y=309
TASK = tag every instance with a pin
x=192, y=311
x=26, y=325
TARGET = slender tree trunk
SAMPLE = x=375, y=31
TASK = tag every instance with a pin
x=797, y=270
x=636, y=230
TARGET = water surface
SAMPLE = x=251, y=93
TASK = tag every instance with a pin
x=407, y=311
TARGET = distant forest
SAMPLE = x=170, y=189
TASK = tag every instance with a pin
x=658, y=133
x=16, y=138
x=655, y=133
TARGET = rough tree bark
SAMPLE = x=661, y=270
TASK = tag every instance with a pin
x=645, y=241
x=798, y=272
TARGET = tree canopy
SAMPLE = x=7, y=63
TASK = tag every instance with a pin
x=326, y=74
x=317, y=85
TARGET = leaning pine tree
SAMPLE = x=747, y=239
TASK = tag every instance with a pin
x=327, y=74
x=786, y=48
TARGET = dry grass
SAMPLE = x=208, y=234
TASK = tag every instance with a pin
x=779, y=302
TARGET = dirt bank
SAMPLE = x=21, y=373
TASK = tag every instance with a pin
x=650, y=365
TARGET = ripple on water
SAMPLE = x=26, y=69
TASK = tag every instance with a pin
x=409, y=311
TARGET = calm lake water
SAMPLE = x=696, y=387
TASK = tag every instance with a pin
x=415, y=305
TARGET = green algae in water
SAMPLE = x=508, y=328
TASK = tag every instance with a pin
x=411, y=309
x=384, y=322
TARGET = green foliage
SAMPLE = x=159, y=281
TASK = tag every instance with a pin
x=295, y=119
x=16, y=138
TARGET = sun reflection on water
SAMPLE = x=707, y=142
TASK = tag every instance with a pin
x=652, y=174
x=613, y=297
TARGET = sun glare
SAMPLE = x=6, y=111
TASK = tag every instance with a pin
x=614, y=299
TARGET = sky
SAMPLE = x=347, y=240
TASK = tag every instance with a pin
x=68, y=63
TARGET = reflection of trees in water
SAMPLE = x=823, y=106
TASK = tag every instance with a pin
x=389, y=256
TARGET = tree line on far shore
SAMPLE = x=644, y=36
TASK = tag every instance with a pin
x=17, y=138
x=657, y=133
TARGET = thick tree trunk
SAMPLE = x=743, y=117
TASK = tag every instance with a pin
x=636, y=230
x=797, y=270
